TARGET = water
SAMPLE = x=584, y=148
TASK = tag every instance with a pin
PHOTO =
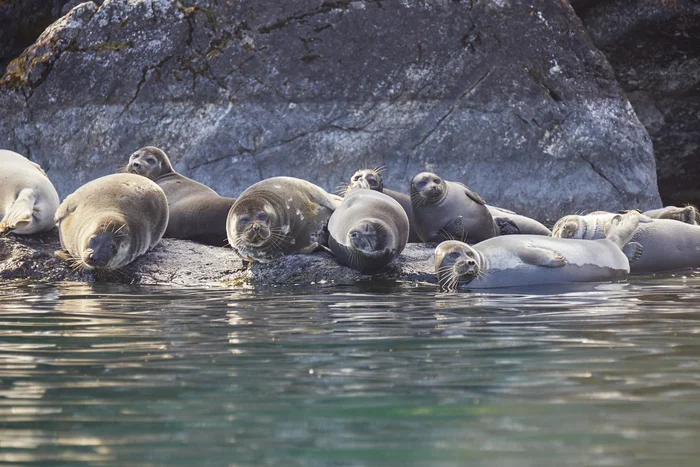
x=605, y=374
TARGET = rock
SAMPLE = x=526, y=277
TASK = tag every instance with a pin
x=509, y=97
x=654, y=48
x=182, y=262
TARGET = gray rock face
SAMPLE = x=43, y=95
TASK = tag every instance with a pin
x=509, y=97
x=654, y=48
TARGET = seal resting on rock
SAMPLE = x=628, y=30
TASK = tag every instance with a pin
x=517, y=260
x=28, y=199
x=687, y=214
x=657, y=245
x=510, y=223
x=368, y=230
x=196, y=211
x=443, y=210
x=280, y=216
x=107, y=223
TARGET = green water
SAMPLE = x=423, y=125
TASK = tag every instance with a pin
x=605, y=374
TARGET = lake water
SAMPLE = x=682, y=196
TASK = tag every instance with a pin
x=378, y=374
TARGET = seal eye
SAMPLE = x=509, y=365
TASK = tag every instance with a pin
x=372, y=182
x=150, y=160
x=420, y=184
x=262, y=216
x=113, y=247
x=355, y=178
x=454, y=255
x=436, y=181
x=243, y=220
x=354, y=234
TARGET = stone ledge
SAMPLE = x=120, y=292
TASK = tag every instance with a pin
x=182, y=262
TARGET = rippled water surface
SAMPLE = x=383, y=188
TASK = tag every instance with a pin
x=605, y=374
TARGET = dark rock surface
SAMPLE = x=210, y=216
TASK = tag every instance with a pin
x=654, y=47
x=186, y=263
x=511, y=98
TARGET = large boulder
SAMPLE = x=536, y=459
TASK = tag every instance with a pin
x=509, y=97
x=654, y=48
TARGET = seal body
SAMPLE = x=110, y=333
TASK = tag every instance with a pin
x=687, y=214
x=509, y=223
x=109, y=222
x=657, y=245
x=518, y=260
x=280, y=216
x=196, y=211
x=375, y=182
x=368, y=230
x=28, y=199
x=443, y=210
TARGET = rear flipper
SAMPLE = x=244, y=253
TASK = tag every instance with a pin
x=633, y=251
x=545, y=257
x=622, y=227
x=19, y=216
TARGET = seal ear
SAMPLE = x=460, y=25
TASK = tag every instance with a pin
x=473, y=195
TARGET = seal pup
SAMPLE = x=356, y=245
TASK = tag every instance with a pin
x=375, y=182
x=443, y=210
x=108, y=222
x=687, y=214
x=280, y=216
x=196, y=211
x=517, y=260
x=28, y=199
x=658, y=244
x=368, y=230
x=510, y=223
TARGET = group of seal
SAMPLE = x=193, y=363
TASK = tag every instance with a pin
x=110, y=221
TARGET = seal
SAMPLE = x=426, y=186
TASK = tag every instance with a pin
x=28, y=199
x=443, y=210
x=108, y=222
x=688, y=214
x=658, y=244
x=280, y=216
x=196, y=211
x=517, y=260
x=375, y=182
x=368, y=230
x=510, y=223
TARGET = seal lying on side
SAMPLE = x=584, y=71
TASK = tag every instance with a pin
x=196, y=211
x=517, y=260
x=368, y=230
x=443, y=210
x=657, y=245
x=688, y=214
x=280, y=216
x=509, y=223
x=109, y=222
x=28, y=199
x=375, y=181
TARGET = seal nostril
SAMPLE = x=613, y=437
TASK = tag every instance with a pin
x=471, y=262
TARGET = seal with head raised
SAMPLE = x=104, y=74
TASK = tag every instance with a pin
x=518, y=260
x=443, y=210
x=196, y=211
x=108, y=222
x=373, y=180
x=28, y=199
x=368, y=230
x=657, y=245
x=280, y=216
x=687, y=214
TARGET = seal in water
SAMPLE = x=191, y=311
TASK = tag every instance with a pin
x=375, y=182
x=443, y=210
x=28, y=199
x=657, y=245
x=280, y=216
x=107, y=223
x=196, y=211
x=687, y=214
x=517, y=260
x=368, y=230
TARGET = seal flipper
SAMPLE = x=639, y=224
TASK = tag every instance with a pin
x=622, y=228
x=63, y=255
x=545, y=257
x=506, y=226
x=454, y=230
x=633, y=251
x=19, y=215
x=473, y=195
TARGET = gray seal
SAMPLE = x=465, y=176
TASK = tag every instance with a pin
x=375, y=182
x=108, y=222
x=443, y=210
x=28, y=199
x=196, y=211
x=518, y=260
x=510, y=223
x=368, y=230
x=687, y=214
x=280, y=216
x=658, y=244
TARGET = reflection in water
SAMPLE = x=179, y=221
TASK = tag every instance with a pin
x=585, y=375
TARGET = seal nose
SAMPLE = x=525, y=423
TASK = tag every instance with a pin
x=471, y=262
x=136, y=164
x=433, y=189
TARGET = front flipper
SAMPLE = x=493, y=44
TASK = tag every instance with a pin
x=473, y=195
x=19, y=215
x=541, y=256
x=507, y=226
x=454, y=230
x=633, y=251
x=62, y=255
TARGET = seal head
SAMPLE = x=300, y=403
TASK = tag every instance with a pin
x=456, y=263
x=149, y=161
